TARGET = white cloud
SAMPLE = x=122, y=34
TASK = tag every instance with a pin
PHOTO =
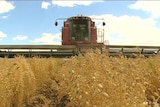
x=4, y=17
x=45, y=5
x=152, y=7
x=48, y=38
x=5, y=6
x=73, y=3
x=20, y=37
x=2, y=35
x=131, y=30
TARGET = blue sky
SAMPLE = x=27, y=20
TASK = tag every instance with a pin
x=32, y=22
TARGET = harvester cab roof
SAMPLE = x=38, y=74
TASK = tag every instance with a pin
x=80, y=17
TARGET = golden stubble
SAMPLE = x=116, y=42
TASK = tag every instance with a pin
x=90, y=80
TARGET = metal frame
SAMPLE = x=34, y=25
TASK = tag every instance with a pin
x=70, y=50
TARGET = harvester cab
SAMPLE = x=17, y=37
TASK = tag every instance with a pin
x=81, y=30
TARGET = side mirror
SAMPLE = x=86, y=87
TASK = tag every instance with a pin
x=103, y=23
x=56, y=23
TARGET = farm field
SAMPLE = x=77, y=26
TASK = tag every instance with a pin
x=92, y=80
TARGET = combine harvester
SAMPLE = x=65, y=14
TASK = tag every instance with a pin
x=79, y=33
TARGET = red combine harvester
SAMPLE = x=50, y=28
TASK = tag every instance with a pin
x=81, y=30
x=79, y=33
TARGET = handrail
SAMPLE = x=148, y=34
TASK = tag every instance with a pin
x=132, y=46
x=69, y=46
x=36, y=46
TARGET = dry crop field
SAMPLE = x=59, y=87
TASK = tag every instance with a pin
x=92, y=80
